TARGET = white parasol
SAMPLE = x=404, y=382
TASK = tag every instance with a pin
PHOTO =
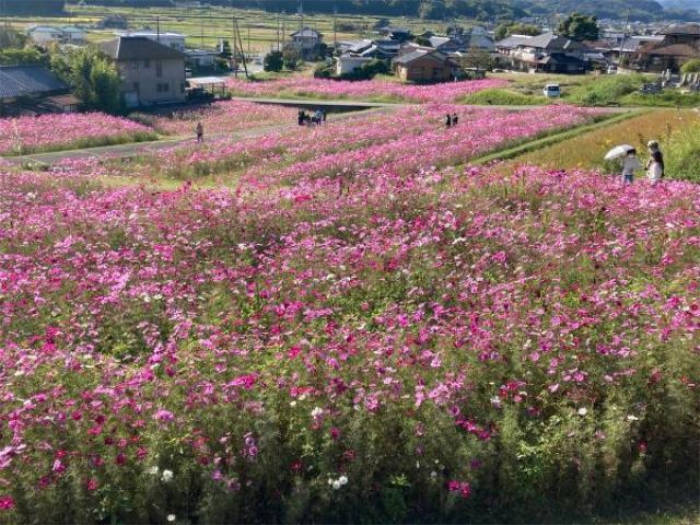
x=618, y=151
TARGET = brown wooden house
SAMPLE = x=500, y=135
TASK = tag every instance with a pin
x=425, y=65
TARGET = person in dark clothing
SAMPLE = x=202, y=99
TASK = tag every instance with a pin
x=200, y=132
x=448, y=121
x=455, y=119
x=301, y=117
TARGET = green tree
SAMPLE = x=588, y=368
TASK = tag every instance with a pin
x=506, y=29
x=579, y=27
x=225, y=49
x=691, y=66
x=25, y=56
x=274, y=61
x=10, y=38
x=92, y=77
x=291, y=57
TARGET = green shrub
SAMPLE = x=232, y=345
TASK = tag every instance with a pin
x=691, y=66
x=606, y=90
x=502, y=97
x=682, y=154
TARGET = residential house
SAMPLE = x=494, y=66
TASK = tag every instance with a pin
x=548, y=53
x=113, y=22
x=478, y=38
x=400, y=34
x=43, y=35
x=201, y=58
x=347, y=64
x=446, y=44
x=680, y=43
x=19, y=84
x=152, y=73
x=73, y=35
x=308, y=42
x=425, y=65
x=353, y=46
x=173, y=40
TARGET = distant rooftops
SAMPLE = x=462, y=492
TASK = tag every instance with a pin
x=690, y=29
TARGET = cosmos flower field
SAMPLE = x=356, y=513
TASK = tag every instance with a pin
x=299, y=86
x=66, y=131
x=420, y=339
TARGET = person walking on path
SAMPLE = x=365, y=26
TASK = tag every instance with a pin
x=200, y=132
x=655, y=165
x=630, y=164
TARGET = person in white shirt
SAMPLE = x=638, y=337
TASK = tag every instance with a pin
x=630, y=164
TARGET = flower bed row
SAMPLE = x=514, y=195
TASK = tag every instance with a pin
x=299, y=86
x=424, y=346
x=67, y=130
x=224, y=117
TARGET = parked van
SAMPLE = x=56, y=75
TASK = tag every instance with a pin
x=552, y=91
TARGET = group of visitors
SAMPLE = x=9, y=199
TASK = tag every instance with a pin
x=451, y=120
x=318, y=117
x=654, y=167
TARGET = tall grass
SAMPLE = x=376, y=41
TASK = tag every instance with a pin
x=676, y=131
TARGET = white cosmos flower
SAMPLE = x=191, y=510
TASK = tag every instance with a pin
x=582, y=411
x=153, y=471
x=167, y=475
x=171, y=517
x=343, y=480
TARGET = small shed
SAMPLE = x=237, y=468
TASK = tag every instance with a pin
x=211, y=84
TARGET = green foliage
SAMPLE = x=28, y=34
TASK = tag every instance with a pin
x=579, y=27
x=606, y=89
x=10, y=37
x=369, y=70
x=25, y=56
x=274, y=61
x=226, y=50
x=515, y=28
x=291, y=57
x=93, y=78
x=691, y=66
x=502, y=97
x=324, y=70
x=682, y=154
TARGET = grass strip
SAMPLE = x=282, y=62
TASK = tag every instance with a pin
x=552, y=138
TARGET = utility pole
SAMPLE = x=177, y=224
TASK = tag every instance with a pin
x=301, y=15
x=248, y=39
x=158, y=29
x=278, y=31
x=335, y=25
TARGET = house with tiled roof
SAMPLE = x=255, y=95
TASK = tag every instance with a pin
x=681, y=42
x=152, y=73
x=546, y=53
x=422, y=64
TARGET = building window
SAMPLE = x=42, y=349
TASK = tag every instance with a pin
x=146, y=63
x=159, y=69
x=162, y=87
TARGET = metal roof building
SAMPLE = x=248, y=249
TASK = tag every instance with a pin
x=28, y=81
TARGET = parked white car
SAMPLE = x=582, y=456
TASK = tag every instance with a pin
x=552, y=91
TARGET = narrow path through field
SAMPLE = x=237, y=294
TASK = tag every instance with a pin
x=354, y=108
x=136, y=148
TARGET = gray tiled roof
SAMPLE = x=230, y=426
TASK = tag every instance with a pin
x=17, y=81
x=138, y=48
